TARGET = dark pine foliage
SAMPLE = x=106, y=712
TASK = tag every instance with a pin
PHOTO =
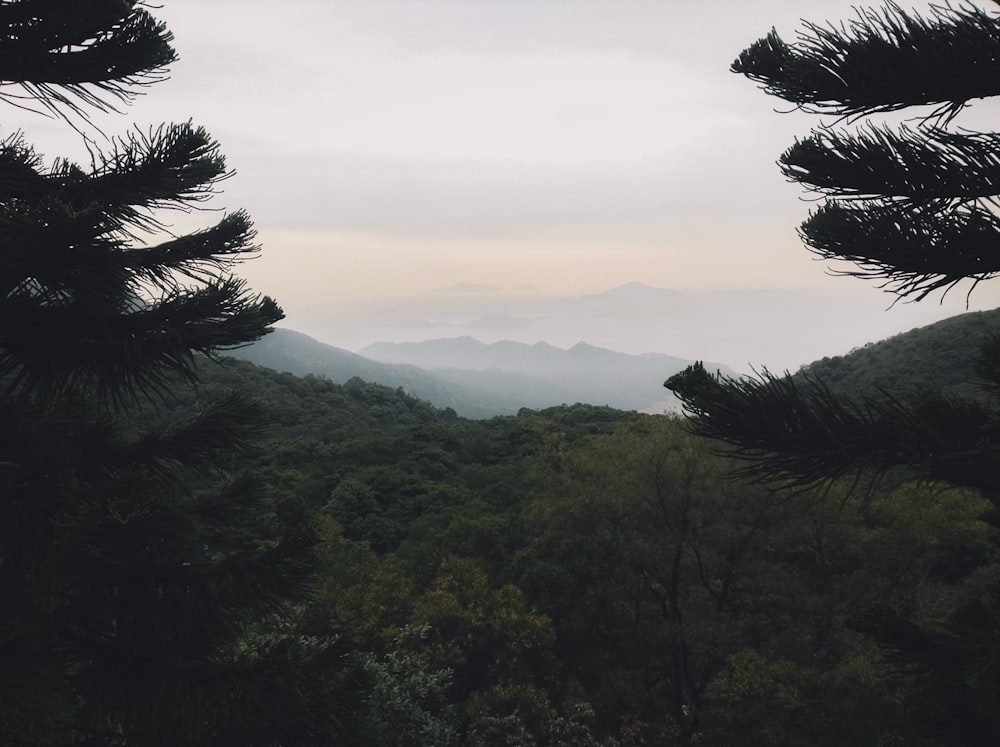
x=139, y=603
x=914, y=208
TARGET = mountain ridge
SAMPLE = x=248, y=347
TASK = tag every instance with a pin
x=467, y=352
x=480, y=380
x=634, y=290
x=935, y=357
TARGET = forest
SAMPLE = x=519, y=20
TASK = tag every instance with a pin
x=585, y=576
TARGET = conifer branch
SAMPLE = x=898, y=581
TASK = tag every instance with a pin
x=851, y=69
x=915, y=165
x=913, y=250
x=794, y=430
x=69, y=58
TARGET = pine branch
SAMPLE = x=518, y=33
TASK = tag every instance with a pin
x=70, y=57
x=20, y=167
x=918, y=165
x=225, y=427
x=853, y=69
x=113, y=348
x=915, y=249
x=172, y=166
x=202, y=256
x=221, y=315
x=800, y=433
x=76, y=262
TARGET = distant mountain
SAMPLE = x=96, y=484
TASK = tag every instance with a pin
x=635, y=291
x=296, y=353
x=939, y=356
x=291, y=351
x=471, y=394
x=537, y=358
x=583, y=373
x=478, y=380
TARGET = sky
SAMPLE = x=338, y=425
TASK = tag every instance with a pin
x=433, y=168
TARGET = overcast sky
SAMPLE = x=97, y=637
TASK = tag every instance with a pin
x=413, y=163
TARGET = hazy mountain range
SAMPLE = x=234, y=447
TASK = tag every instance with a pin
x=747, y=329
x=478, y=380
x=583, y=373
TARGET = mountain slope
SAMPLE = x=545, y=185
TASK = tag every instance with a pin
x=299, y=354
x=635, y=291
x=938, y=356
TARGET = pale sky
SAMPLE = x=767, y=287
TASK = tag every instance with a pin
x=416, y=166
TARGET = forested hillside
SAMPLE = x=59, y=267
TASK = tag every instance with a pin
x=580, y=576
x=939, y=356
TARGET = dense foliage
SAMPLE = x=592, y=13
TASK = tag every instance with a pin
x=584, y=576
x=939, y=357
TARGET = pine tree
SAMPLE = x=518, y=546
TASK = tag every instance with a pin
x=914, y=207
x=138, y=606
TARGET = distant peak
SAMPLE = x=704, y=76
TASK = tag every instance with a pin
x=469, y=288
x=636, y=289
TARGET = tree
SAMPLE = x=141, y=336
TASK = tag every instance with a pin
x=913, y=206
x=661, y=576
x=140, y=607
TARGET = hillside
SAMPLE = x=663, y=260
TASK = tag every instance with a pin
x=938, y=356
x=475, y=567
x=286, y=350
